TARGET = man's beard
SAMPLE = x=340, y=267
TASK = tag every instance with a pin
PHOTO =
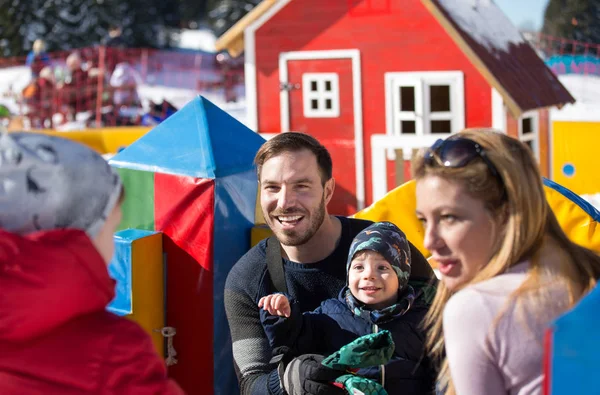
x=293, y=239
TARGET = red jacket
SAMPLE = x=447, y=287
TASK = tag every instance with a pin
x=55, y=335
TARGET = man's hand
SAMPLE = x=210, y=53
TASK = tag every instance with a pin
x=275, y=304
x=306, y=375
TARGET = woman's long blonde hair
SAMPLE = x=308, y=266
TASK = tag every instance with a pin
x=529, y=226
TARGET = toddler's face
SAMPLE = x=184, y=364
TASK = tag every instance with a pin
x=104, y=239
x=372, y=280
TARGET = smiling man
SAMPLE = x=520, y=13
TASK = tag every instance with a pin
x=296, y=184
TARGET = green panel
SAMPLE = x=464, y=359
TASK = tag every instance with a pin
x=138, y=208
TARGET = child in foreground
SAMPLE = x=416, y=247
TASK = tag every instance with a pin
x=60, y=204
x=377, y=297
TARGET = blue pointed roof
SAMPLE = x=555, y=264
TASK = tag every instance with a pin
x=200, y=140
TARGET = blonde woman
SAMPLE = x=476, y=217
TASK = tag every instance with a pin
x=507, y=267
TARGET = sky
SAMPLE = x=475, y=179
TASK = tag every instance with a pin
x=524, y=12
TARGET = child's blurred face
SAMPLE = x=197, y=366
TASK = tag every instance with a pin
x=103, y=241
x=372, y=280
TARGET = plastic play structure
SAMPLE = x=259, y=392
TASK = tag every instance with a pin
x=191, y=193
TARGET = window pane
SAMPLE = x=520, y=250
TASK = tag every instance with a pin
x=441, y=126
x=526, y=125
x=314, y=104
x=439, y=96
x=328, y=86
x=313, y=86
x=408, y=127
x=328, y=104
x=529, y=144
x=407, y=98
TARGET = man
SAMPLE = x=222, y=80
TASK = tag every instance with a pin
x=296, y=183
x=116, y=46
x=114, y=37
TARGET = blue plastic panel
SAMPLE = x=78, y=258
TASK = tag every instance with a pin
x=120, y=270
x=235, y=199
x=576, y=348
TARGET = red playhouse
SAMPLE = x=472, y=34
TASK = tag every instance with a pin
x=375, y=79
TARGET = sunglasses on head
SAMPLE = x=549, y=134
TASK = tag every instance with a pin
x=457, y=152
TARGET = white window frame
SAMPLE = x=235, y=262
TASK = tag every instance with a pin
x=321, y=95
x=422, y=115
x=533, y=137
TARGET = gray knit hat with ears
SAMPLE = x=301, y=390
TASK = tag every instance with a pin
x=49, y=182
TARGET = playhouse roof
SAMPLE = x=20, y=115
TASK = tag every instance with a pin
x=486, y=36
x=200, y=140
x=495, y=46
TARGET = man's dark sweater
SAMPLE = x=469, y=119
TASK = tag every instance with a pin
x=308, y=283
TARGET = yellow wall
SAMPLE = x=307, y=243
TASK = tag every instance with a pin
x=103, y=140
x=576, y=143
x=147, y=294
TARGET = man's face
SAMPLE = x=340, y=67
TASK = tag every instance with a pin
x=292, y=196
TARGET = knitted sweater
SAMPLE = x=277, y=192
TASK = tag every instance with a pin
x=309, y=283
x=498, y=356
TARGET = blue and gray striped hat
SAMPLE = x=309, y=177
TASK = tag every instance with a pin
x=388, y=240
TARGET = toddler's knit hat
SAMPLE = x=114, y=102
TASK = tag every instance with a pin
x=388, y=240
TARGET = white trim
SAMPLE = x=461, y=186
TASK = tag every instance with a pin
x=420, y=81
x=379, y=144
x=250, y=76
x=535, y=135
x=321, y=95
x=354, y=56
x=498, y=111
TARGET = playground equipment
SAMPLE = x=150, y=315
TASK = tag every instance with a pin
x=191, y=180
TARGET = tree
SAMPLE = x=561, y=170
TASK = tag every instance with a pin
x=222, y=14
x=15, y=16
x=577, y=20
x=192, y=12
x=67, y=24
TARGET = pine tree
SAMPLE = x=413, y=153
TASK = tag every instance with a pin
x=68, y=24
x=222, y=14
x=191, y=12
x=15, y=17
x=577, y=20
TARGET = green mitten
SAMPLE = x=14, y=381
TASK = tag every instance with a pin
x=368, y=350
x=356, y=385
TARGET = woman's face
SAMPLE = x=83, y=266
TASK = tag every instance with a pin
x=459, y=230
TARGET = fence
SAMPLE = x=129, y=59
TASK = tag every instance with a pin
x=100, y=85
x=567, y=56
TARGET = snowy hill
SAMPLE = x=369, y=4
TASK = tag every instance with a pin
x=198, y=39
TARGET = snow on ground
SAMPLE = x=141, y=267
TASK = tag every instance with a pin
x=12, y=81
x=201, y=39
x=483, y=20
x=593, y=199
x=586, y=91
